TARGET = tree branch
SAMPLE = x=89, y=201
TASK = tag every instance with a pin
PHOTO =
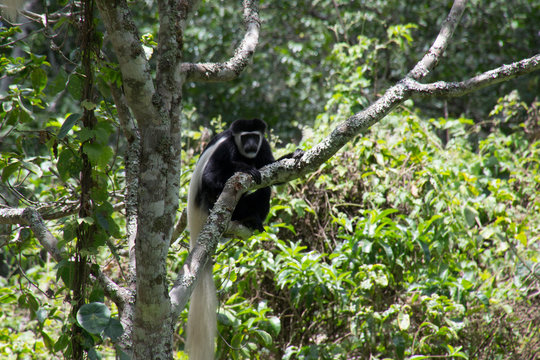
x=180, y=226
x=435, y=52
x=232, y=68
x=43, y=19
x=118, y=294
x=136, y=75
x=495, y=76
x=131, y=132
x=32, y=218
x=215, y=226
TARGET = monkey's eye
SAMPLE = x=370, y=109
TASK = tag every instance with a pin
x=247, y=138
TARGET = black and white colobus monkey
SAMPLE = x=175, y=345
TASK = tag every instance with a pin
x=241, y=148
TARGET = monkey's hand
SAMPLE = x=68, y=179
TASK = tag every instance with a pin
x=297, y=154
x=255, y=174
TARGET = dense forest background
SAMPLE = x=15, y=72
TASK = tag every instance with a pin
x=419, y=240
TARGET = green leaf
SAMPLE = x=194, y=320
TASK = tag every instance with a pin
x=39, y=79
x=69, y=164
x=275, y=325
x=61, y=343
x=387, y=249
x=522, y=237
x=467, y=285
x=49, y=343
x=66, y=271
x=8, y=299
x=97, y=295
x=98, y=154
x=121, y=355
x=10, y=169
x=425, y=249
x=75, y=86
x=404, y=321
x=58, y=82
x=33, y=168
x=94, y=317
x=470, y=214
x=236, y=341
x=70, y=121
x=384, y=214
x=114, y=329
x=29, y=301
x=93, y=354
x=102, y=220
x=7, y=106
x=88, y=105
x=69, y=231
x=264, y=336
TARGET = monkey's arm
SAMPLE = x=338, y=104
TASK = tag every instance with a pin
x=248, y=169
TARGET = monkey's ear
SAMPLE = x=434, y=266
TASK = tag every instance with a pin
x=260, y=125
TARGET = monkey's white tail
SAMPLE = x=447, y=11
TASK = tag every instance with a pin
x=202, y=319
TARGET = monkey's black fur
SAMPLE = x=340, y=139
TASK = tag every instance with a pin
x=226, y=160
x=241, y=148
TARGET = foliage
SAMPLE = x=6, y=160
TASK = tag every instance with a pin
x=40, y=165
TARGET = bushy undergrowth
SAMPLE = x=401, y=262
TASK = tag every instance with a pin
x=402, y=246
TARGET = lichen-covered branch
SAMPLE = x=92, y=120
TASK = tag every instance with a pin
x=136, y=75
x=31, y=217
x=216, y=224
x=435, y=52
x=232, y=68
x=492, y=77
x=131, y=132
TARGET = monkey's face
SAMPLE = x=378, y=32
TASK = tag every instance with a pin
x=248, y=143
